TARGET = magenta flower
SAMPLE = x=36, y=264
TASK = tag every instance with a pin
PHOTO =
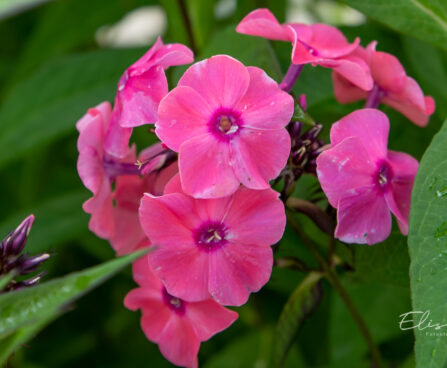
x=98, y=169
x=315, y=44
x=218, y=247
x=365, y=181
x=177, y=326
x=392, y=86
x=227, y=123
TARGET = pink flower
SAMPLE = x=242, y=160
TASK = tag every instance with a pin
x=365, y=181
x=227, y=123
x=316, y=44
x=218, y=247
x=175, y=325
x=144, y=83
x=392, y=86
x=98, y=169
x=140, y=90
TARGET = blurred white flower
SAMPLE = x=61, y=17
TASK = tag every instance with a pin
x=140, y=27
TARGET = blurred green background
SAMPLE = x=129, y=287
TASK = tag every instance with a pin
x=58, y=58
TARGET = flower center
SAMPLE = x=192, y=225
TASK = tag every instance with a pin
x=174, y=303
x=383, y=176
x=210, y=236
x=225, y=123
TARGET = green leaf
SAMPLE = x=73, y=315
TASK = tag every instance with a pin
x=300, y=304
x=380, y=304
x=46, y=106
x=26, y=306
x=58, y=220
x=202, y=19
x=54, y=34
x=14, y=341
x=9, y=8
x=428, y=250
x=387, y=261
x=423, y=19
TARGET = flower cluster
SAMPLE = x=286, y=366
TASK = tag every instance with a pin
x=201, y=198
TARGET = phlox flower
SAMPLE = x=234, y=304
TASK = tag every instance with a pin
x=392, y=86
x=177, y=326
x=114, y=214
x=140, y=90
x=364, y=180
x=144, y=83
x=227, y=122
x=315, y=44
x=212, y=247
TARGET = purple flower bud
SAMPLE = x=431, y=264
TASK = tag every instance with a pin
x=30, y=264
x=30, y=282
x=15, y=241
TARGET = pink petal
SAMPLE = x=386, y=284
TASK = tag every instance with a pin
x=100, y=208
x=387, y=71
x=404, y=172
x=168, y=219
x=265, y=105
x=91, y=169
x=116, y=142
x=221, y=80
x=236, y=270
x=363, y=217
x=412, y=103
x=143, y=275
x=371, y=126
x=355, y=70
x=343, y=168
x=345, y=91
x=183, y=114
x=179, y=343
x=99, y=116
x=208, y=318
x=183, y=267
x=173, y=54
x=140, y=98
x=205, y=169
x=258, y=156
x=256, y=217
x=174, y=185
x=262, y=23
x=329, y=42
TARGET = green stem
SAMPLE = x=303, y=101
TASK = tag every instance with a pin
x=188, y=25
x=333, y=278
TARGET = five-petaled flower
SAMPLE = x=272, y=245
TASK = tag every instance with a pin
x=365, y=181
x=213, y=247
x=227, y=123
x=177, y=326
x=392, y=86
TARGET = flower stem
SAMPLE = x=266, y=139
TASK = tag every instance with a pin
x=333, y=278
x=374, y=97
x=188, y=25
x=291, y=76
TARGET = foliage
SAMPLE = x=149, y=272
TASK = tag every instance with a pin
x=52, y=69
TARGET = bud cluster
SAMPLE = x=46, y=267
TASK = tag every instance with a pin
x=17, y=264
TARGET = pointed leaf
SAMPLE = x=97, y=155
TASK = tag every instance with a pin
x=25, y=306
